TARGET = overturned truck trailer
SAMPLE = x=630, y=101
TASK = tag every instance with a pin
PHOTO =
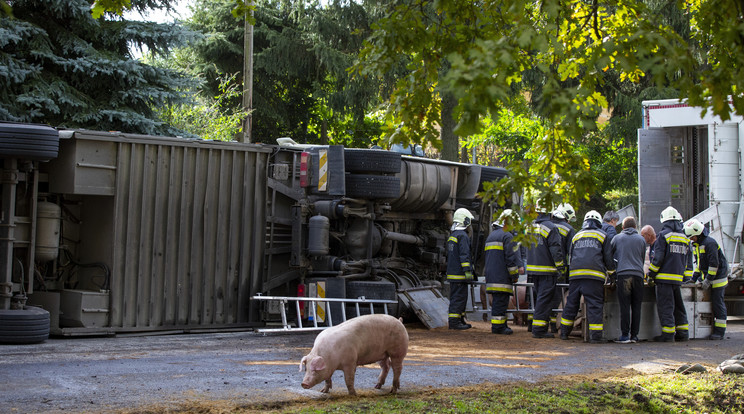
x=121, y=233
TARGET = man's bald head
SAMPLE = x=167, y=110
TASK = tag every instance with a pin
x=649, y=234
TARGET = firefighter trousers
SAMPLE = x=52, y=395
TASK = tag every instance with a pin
x=498, y=309
x=593, y=292
x=458, y=298
x=545, y=294
x=671, y=309
x=719, y=310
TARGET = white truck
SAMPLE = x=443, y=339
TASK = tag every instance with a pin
x=694, y=162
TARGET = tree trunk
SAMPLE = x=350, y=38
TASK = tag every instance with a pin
x=450, y=141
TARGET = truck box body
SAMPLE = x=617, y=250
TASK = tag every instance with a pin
x=693, y=162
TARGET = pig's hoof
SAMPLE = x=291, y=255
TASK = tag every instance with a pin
x=378, y=386
x=393, y=390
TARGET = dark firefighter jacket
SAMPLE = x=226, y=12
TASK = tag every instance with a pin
x=546, y=256
x=502, y=261
x=567, y=233
x=458, y=255
x=672, y=259
x=710, y=260
x=591, y=254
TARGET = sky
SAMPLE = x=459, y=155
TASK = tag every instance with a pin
x=182, y=12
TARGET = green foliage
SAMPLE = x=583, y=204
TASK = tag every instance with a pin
x=207, y=119
x=570, y=53
x=505, y=139
x=60, y=66
x=301, y=52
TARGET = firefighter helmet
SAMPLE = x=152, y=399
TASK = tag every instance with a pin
x=593, y=215
x=565, y=211
x=670, y=213
x=462, y=218
x=503, y=217
x=693, y=227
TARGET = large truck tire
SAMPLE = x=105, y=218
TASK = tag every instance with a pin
x=371, y=161
x=372, y=186
x=29, y=325
x=28, y=142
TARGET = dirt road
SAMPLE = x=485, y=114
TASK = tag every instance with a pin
x=110, y=374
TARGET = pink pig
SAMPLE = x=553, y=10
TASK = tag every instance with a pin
x=359, y=341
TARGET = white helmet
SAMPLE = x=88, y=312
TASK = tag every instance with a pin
x=503, y=217
x=461, y=219
x=565, y=211
x=593, y=215
x=670, y=213
x=693, y=227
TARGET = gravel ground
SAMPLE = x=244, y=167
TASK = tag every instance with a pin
x=130, y=373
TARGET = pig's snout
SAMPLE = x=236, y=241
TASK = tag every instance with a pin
x=306, y=385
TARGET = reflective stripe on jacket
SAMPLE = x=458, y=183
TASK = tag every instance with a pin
x=502, y=261
x=544, y=257
x=458, y=255
x=672, y=259
x=710, y=260
x=591, y=254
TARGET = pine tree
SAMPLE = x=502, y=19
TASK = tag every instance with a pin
x=60, y=66
x=301, y=86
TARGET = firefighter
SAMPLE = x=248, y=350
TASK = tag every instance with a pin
x=671, y=261
x=503, y=267
x=459, y=268
x=545, y=261
x=562, y=216
x=590, y=263
x=713, y=268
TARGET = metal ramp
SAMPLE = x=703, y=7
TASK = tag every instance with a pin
x=428, y=304
x=328, y=318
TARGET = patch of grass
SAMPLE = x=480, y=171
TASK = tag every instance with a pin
x=700, y=392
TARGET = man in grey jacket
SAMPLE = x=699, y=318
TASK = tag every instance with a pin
x=629, y=251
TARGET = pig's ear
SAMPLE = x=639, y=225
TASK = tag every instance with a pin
x=317, y=364
x=302, y=362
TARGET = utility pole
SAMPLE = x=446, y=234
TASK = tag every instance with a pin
x=248, y=77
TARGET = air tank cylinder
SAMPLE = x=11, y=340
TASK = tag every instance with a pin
x=48, y=222
x=318, y=235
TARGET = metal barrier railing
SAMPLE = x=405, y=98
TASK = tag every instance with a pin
x=529, y=295
x=287, y=326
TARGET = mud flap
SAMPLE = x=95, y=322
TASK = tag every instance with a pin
x=428, y=304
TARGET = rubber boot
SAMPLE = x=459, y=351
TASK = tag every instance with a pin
x=529, y=325
x=501, y=330
x=464, y=322
x=456, y=323
x=565, y=331
x=664, y=338
x=595, y=338
x=541, y=333
x=717, y=334
x=681, y=336
x=553, y=327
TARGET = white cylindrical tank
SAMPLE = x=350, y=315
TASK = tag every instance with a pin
x=48, y=222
